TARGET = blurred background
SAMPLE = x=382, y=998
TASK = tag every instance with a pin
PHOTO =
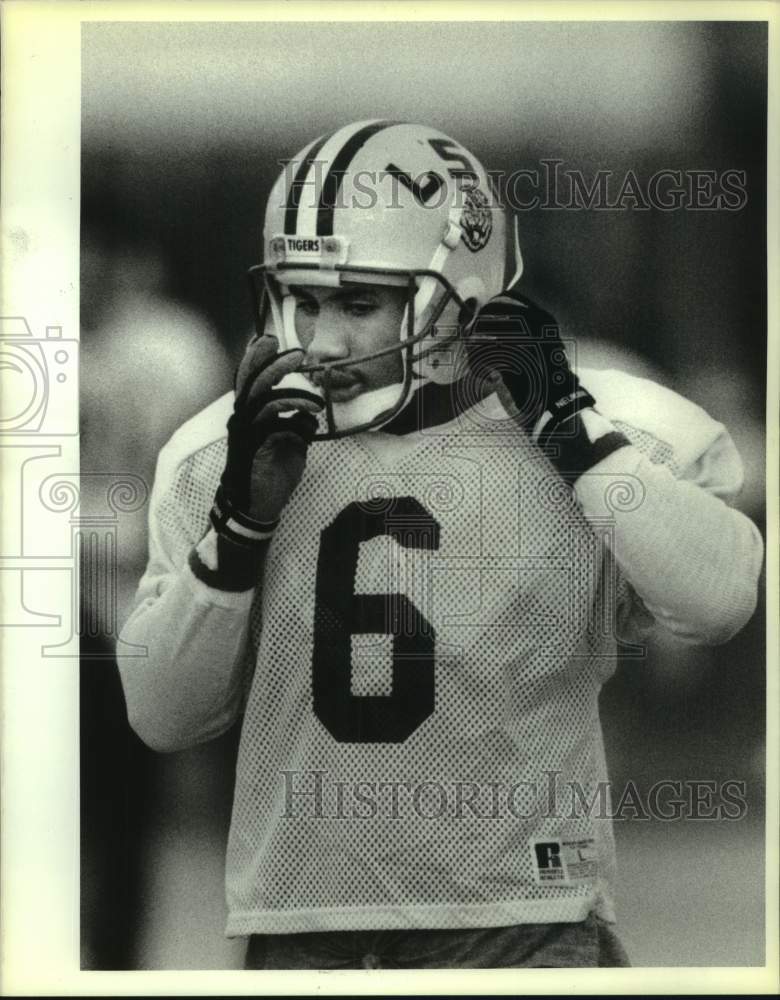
x=184, y=127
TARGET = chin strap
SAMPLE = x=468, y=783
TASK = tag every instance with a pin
x=289, y=332
x=366, y=407
x=517, y=256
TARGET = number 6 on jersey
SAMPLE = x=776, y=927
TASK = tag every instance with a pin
x=340, y=613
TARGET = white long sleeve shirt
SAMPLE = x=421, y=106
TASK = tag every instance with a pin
x=457, y=632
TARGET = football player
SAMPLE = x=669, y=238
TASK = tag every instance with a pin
x=402, y=552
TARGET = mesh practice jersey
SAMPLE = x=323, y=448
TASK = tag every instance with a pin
x=419, y=672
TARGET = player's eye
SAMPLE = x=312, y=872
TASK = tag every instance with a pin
x=360, y=307
x=308, y=307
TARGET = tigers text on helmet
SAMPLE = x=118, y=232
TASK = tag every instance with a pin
x=384, y=203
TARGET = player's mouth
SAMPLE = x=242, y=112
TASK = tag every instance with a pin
x=342, y=387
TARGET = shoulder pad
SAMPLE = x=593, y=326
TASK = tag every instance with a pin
x=683, y=430
x=197, y=433
x=512, y=304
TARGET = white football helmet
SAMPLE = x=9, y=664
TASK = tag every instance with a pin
x=385, y=203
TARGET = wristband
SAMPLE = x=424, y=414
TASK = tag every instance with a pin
x=224, y=565
x=239, y=527
x=589, y=441
x=562, y=409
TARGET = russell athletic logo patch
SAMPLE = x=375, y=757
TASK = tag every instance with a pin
x=564, y=861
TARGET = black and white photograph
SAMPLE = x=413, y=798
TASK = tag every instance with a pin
x=418, y=535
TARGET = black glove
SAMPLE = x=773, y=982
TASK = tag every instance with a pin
x=515, y=347
x=269, y=433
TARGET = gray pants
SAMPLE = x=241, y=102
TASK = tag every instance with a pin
x=591, y=943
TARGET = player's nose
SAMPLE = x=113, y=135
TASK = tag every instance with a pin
x=329, y=341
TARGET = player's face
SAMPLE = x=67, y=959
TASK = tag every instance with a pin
x=336, y=324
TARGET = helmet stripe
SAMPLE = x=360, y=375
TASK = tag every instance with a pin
x=294, y=194
x=332, y=183
x=311, y=179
